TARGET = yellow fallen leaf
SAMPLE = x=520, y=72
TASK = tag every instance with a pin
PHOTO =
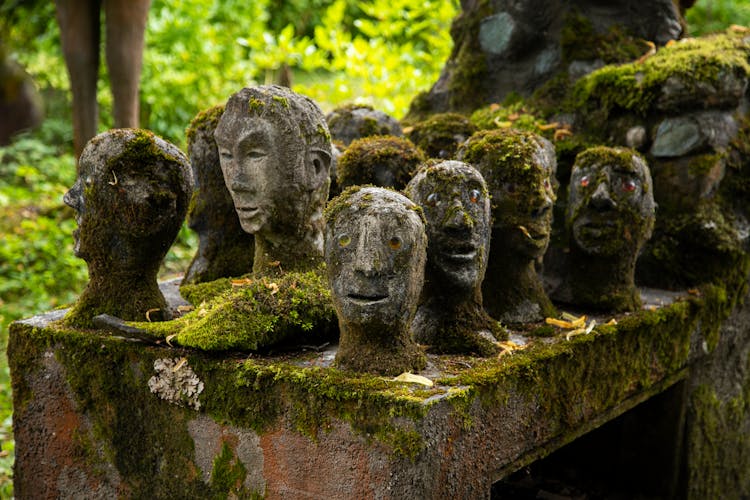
x=184, y=309
x=581, y=331
x=273, y=287
x=179, y=364
x=414, y=379
x=494, y=106
x=502, y=124
x=407, y=130
x=651, y=51
x=508, y=347
x=561, y=133
x=611, y=322
x=525, y=232
x=148, y=313
x=548, y=126
x=514, y=116
x=570, y=323
x=241, y=282
x=169, y=339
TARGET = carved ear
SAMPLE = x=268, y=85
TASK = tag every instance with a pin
x=320, y=163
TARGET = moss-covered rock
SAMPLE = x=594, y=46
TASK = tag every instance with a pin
x=385, y=161
x=440, y=135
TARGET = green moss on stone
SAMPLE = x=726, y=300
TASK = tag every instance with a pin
x=440, y=135
x=206, y=119
x=371, y=160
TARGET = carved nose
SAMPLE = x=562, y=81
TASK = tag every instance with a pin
x=367, y=259
x=542, y=210
x=457, y=218
x=70, y=198
x=601, y=200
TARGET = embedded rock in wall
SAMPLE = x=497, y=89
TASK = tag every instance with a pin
x=508, y=47
x=684, y=109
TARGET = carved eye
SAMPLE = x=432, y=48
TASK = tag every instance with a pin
x=628, y=185
x=584, y=181
x=474, y=195
x=510, y=187
x=255, y=154
x=433, y=199
x=344, y=240
x=394, y=243
x=547, y=185
x=225, y=155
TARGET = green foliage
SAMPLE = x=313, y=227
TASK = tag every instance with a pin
x=710, y=16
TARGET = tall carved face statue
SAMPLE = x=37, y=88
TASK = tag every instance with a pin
x=611, y=204
x=456, y=204
x=275, y=154
x=375, y=254
x=130, y=198
x=519, y=169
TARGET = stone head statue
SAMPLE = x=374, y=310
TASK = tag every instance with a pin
x=383, y=161
x=130, y=199
x=519, y=169
x=610, y=216
x=456, y=205
x=275, y=154
x=375, y=255
x=441, y=134
x=611, y=204
x=355, y=121
x=224, y=248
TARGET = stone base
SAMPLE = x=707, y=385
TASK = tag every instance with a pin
x=99, y=416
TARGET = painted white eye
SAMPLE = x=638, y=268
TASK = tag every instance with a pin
x=475, y=195
x=584, y=181
x=628, y=185
x=433, y=199
x=395, y=243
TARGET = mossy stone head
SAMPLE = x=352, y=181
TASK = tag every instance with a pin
x=375, y=253
x=611, y=206
x=131, y=196
x=518, y=167
x=275, y=154
x=440, y=135
x=355, y=121
x=384, y=161
x=456, y=204
x=212, y=205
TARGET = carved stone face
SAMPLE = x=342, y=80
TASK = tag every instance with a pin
x=456, y=204
x=275, y=154
x=251, y=163
x=375, y=253
x=611, y=204
x=130, y=198
x=519, y=172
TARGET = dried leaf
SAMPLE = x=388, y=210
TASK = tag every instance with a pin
x=169, y=339
x=502, y=124
x=525, y=232
x=561, y=133
x=275, y=263
x=611, y=322
x=570, y=323
x=273, y=287
x=407, y=130
x=179, y=364
x=508, y=347
x=581, y=331
x=494, y=106
x=651, y=52
x=148, y=313
x=184, y=309
x=548, y=126
x=414, y=379
x=514, y=116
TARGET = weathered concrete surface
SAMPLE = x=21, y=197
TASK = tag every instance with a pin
x=289, y=426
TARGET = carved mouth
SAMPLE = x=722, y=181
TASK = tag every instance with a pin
x=363, y=299
x=459, y=252
x=247, y=211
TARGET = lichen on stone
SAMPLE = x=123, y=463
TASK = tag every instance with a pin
x=175, y=381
